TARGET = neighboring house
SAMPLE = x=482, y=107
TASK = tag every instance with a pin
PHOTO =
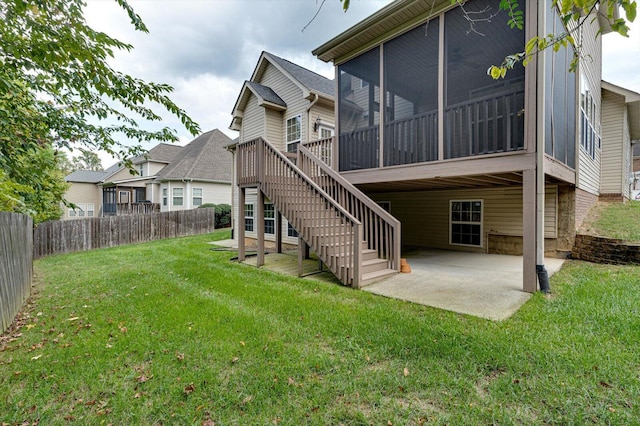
x=200, y=173
x=461, y=161
x=620, y=137
x=168, y=177
x=286, y=105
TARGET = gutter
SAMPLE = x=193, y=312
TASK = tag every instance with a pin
x=313, y=102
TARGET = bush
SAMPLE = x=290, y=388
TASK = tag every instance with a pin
x=206, y=205
x=223, y=216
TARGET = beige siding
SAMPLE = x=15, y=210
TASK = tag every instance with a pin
x=253, y=121
x=154, y=168
x=83, y=193
x=591, y=69
x=627, y=158
x=425, y=215
x=275, y=128
x=326, y=115
x=289, y=92
x=613, y=152
x=251, y=198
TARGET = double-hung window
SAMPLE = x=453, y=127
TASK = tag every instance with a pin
x=294, y=133
x=291, y=231
x=248, y=217
x=269, y=219
x=589, y=138
x=197, y=196
x=164, y=196
x=465, y=222
x=178, y=196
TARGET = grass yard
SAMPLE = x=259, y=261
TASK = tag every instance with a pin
x=615, y=220
x=171, y=332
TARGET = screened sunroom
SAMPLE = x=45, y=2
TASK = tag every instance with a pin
x=439, y=103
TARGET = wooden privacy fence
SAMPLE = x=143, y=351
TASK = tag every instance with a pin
x=67, y=236
x=16, y=264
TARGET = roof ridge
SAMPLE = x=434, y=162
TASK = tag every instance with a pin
x=297, y=65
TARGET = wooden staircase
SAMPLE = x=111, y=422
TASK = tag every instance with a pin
x=353, y=236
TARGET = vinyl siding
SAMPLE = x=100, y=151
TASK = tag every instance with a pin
x=614, y=174
x=253, y=122
x=591, y=69
x=627, y=157
x=425, y=215
x=290, y=93
x=80, y=192
x=327, y=118
x=275, y=128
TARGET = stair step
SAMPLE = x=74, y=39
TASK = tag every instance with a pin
x=369, y=254
x=373, y=277
x=373, y=265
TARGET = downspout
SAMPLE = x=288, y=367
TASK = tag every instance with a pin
x=543, y=276
x=309, y=125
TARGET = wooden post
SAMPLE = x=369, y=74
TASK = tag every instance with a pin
x=278, y=230
x=260, y=228
x=241, y=228
x=529, y=276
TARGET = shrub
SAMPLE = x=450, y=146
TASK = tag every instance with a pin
x=223, y=216
x=206, y=205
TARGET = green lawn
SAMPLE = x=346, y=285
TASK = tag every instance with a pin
x=171, y=332
x=615, y=220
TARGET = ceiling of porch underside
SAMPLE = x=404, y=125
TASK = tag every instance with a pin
x=460, y=182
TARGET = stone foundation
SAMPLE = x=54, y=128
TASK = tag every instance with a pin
x=512, y=245
x=605, y=250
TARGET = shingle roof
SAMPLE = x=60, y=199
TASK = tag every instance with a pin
x=162, y=153
x=85, y=176
x=311, y=80
x=267, y=93
x=204, y=158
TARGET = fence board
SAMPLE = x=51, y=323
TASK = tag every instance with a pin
x=16, y=260
x=67, y=236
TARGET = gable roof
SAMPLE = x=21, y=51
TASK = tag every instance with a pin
x=312, y=85
x=85, y=176
x=161, y=153
x=313, y=82
x=204, y=158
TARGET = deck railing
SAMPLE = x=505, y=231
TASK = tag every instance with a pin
x=329, y=229
x=322, y=149
x=381, y=231
x=487, y=125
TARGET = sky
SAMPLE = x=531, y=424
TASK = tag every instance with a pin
x=206, y=49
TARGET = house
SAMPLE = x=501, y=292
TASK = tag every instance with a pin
x=432, y=152
x=168, y=177
x=287, y=105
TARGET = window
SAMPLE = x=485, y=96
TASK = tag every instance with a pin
x=589, y=138
x=164, y=196
x=291, y=231
x=81, y=209
x=72, y=212
x=141, y=169
x=124, y=196
x=90, y=209
x=294, y=126
x=197, y=196
x=178, y=196
x=269, y=219
x=248, y=217
x=466, y=222
x=326, y=132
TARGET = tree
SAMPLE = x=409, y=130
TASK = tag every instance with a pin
x=87, y=160
x=58, y=90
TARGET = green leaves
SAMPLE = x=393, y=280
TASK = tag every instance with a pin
x=47, y=49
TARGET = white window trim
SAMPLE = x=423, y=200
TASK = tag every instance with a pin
x=165, y=192
x=174, y=196
x=269, y=219
x=481, y=223
x=194, y=197
x=252, y=216
x=286, y=131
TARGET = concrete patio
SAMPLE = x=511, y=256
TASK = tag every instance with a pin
x=483, y=285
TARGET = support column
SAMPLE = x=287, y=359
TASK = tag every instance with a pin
x=260, y=228
x=240, y=225
x=529, y=246
x=303, y=253
x=278, y=230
